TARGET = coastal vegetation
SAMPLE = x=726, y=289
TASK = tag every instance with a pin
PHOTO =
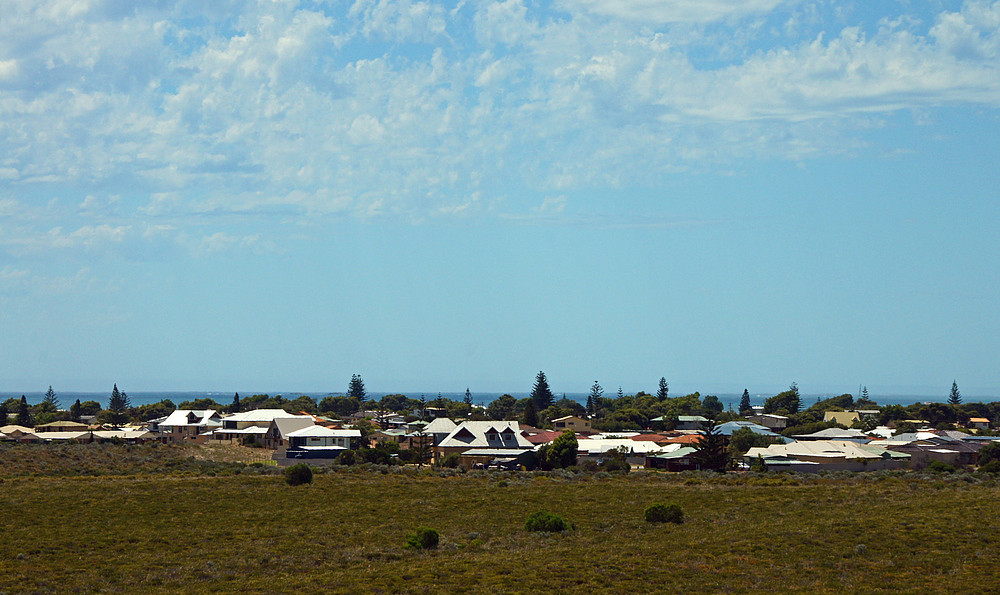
x=225, y=527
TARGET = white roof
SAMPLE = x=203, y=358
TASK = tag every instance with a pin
x=822, y=449
x=180, y=417
x=440, y=425
x=601, y=446
x=49, y=436
x=262, y=415
x=324, y=432
x=473, y=434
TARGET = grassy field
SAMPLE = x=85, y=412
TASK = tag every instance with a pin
x=186, y=531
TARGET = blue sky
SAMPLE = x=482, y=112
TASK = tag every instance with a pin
x=279, y=194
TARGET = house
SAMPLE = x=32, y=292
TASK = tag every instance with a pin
x=600, y=449
x=572, y=422
x=439, y=428
x=978, y=423
x=729, y=427
x=510, y=459
x=543, y=437
x=844, y=418
x=276, y=437
x=690, y=422
x=836, y=434
x=482, y=434
x=827, y=455
x=770, y=421
x=62, y=426
x=250, y=426
x=319, y=442
x=681, y=459
x=190, y=425
x=16, y=433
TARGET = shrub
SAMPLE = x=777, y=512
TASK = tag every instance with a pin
x=451, y=461
x=346, y=457
x=664, y=513
x=543, y=521
x=939, y=467
x=617, y=465
x=991, y=467
x=422, y=539
x=298, y=474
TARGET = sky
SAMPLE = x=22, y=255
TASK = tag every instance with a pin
x=277, y=194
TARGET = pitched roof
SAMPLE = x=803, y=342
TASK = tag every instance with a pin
x=191, y=417
x=440, y=425
x=261, y=415
x=288, y=425
x=324, y=432
x=473, y=434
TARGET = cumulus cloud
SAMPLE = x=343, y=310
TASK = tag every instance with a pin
x=176, y=109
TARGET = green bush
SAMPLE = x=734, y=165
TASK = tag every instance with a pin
x=543, y=521
x=422, y=539
x=939, y=467
x=298, y=474
x=991, y=467
x=451, y=461
x=346, y=457
x=664, y=513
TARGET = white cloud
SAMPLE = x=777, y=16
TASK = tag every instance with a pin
x=673, y=11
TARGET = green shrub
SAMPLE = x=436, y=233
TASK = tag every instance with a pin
x=543, y=521
x=664, y=513
x=346, y=457
x=991, y=467
x=939, y=467
x=451, y=461
x=298, y=474
x=422, y=539
x=617, y=465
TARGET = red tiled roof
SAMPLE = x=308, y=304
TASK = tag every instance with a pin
x=657, y=438
x=543, y=437
x=685, y=439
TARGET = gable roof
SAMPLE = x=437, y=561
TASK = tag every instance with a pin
x=474, y=434
x=261, y=415
x=324, y=432
x=286, y=426
x=191, y=417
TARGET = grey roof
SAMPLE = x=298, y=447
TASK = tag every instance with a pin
x=473, y=434
x=288, y=425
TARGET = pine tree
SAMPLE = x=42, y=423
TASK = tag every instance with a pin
x=620, y=393
x=541, y=394
x=955, y=398
x=118, y=406
x=468, y=397
x=50, y=398
x=4, y=414
x=596, y=392
x=664, y=391
x=711, y=448
x=356, y=388
x=24, y=414
x=745, y=402
x=236, y=407
x=74, y=411
x=864, y=394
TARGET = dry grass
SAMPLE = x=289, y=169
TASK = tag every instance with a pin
x=345, y=533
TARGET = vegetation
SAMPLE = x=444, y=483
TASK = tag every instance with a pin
x=546, y=522
x=299, y=474
x=561, y=453
x=423, y=539
x=339, y=533
x=541, y=394
x=664, y=513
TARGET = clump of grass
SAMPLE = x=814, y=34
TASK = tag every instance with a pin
x=298, y=474
x=423, y=538
x=664, y=513
x=546, y=522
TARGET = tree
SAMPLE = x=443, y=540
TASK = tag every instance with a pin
x=711, y=448
x=24, y=414
x=563, y=450
x=664, y=391
x=530, y=414
x=468, y=397
x=541, y=394
x=50, y=398
x=501, y=408
x=74, y=411
x=620, y=393
x=788, y=401
x=864, y=394
x=236, y=407
x=422, y=446
x=4, y=414
x=118, y=406
x=356, y=388
x=745, y=402
x=712, y=404
x=955, y=398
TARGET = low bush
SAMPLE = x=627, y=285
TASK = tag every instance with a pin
x=664, y=513
x=991, y=467
x=939, y=467
x=451, y=461
x=346, y=457
x=298, y=474
x=544, y=521
x=422, y=539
